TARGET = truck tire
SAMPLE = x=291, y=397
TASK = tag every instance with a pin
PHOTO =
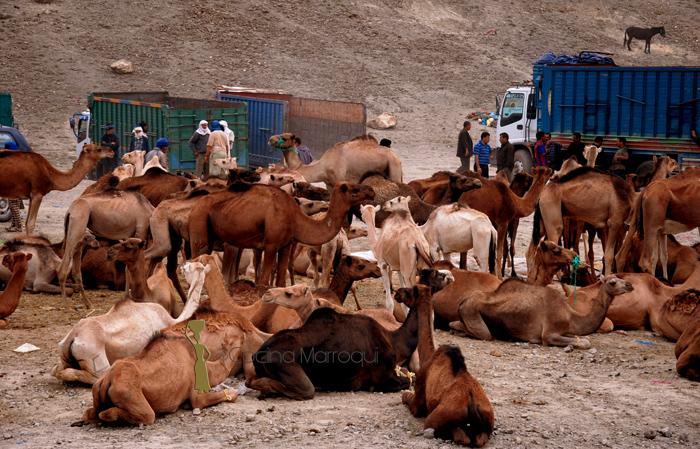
x=523, y=155
x=5, y=213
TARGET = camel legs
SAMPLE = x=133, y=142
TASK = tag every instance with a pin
x=130, y=406
x=501, y=247
x=612, y=234
x=75, y=228
x=663, y=254
x=472, y=322
x=293, y=382
x=34, y=203
x=561, y=340
x=268, y=265
x=202, y=400
x=283, y=257
x=386, y=280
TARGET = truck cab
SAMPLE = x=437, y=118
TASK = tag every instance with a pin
x=518, y=118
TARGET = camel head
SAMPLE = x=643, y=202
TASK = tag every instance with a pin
x=96, y=152
x=358, y=268
x=616, y=286
x=400, y=203
x=462, y=183
x=226, y=163
x=310, y=207
x=355, y=233
x=276, y=179
x=282, y=141
x=90, y=241
x=308, y=191
x=294, y=297
x=126, y=250
x=568, y=165
x=541, y=173
x=666, y=164
x=135, y=157
x=124, y=171
x=15, y=261
x=411, y=296
x=435, y=279
x=590, y=152
x=553, y=255
x=193, y=271
x=354, y=194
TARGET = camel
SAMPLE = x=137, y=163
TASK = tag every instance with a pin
x=310, y=192
x=154, y=163
x=155, y=184
x=226, y=164
x=587, y=195
x=135, y=158
x=18, y=264
x=677, y=312
x=124, y=171
x=656, y=168
x=112, y=215
x=42, y=267
x=311, y=207
x=535, y=314
x=372, y=367
x=568, y=165
x=157, y=288
x=97, y=342
x=520, y=184
x=455, y=228
x=545, y=259
x=162, y=378
x=591, y=152
x=99, y=272
x=451, y=189
x=452, y=401
x=687, y=351
x=306, y=261
x=401, y=247
x=682, y=260
x=503, y=206
x=216, y=217
x=347, y=161
x=28, y=174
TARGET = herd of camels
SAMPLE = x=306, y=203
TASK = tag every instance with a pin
x=142, y=230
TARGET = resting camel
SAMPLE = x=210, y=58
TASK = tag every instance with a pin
x=157, y=288
x=162, y=378
x=28, y=174
x=516, y=310
x=347, y=161
x=678, y=312
x=452, y=401
x=503, y=206
x=587, y=195
x=97, y=342
x=682, y=260
x=18, y=264
x=687, y=351
x=112, y=215
x=656, y=168
x=99, y=272
x=216, y=217
x=374, y=354
x=545, y=258
x=455, y=228
x=590, y=153
x=446, y=187
x=311, y=192
x=42, y=267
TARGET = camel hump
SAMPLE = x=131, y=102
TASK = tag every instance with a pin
x=684, y=302
x=454, y=354
x=365, y=137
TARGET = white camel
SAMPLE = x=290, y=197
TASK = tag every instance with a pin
x=135, y=158
x=98, y=341
x=591, y=152
x=457, y=229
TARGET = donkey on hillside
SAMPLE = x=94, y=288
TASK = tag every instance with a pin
x=644, y=34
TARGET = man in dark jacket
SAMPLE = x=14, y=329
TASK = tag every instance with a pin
x=198, y=144
x=576, y=149
x=505, y=157
x=465, y=146
x=110, y=140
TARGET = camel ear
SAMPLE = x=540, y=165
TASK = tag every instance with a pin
x=543, y=245
x=207, y=269
x=408, y=199
x=344, y=188
x=29, y=256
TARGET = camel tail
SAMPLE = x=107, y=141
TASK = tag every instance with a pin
x=66, y=354
x=536, y=223
x=638, y=221
x=492, y=251
x=66, y=221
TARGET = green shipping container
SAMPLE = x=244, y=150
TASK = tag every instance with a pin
x=6, y=118
x=175, y=118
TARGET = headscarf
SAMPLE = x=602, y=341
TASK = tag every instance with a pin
x=227, y=130
x=138, y=132
x=202, y=131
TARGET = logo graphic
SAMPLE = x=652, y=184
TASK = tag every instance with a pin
x=201, y=377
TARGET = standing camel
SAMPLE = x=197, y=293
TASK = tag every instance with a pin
x=585, y=194
x=265, y=217
x=498, y=201
x=26, y=174
x=347, y=161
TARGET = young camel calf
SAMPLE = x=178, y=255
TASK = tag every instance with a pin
x=452, y=400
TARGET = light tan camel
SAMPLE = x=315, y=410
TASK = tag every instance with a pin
x=158, y=288
x=135, y=158
x=568, y=165
x=112, y=215
x=347, y=161
x=18, y=264
x=587, y=195
x=97, y=342
x=452, y=401
x=42, y=267
x=29, y=175
x=535, y=314
x=162, y=378
x=124, y=171
x=154, y=163
x=591, y=152
x=455, y=228
x=226, y=164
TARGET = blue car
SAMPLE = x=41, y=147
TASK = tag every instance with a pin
x=9, y=134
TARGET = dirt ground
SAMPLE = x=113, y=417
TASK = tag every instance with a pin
x=428, y=62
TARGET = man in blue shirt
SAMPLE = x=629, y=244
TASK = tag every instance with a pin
x=482, y=151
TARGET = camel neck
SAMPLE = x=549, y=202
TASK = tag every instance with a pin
x=341, y=284
x=371, y=227
x=584, y=323
x=526, y=205
x=63, y=181
x=136, y=269
x=306, y=310
x=291, y=158
x=193, y=299
x=317, y=232
x=9, y=299
x=693, y=280
x=405, y=339
x=426, y=347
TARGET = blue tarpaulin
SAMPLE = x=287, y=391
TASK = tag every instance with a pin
x=585, y=57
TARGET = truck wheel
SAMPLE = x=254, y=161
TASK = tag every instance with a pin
x=523, y=155
x=5, y=213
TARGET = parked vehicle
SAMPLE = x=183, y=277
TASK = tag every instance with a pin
x=654, y=108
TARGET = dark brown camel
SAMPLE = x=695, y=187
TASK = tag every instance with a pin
x=272, y=221
x=155, y=184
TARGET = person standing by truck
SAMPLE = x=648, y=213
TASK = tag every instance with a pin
x=139, y=140
x=505, y=157
x=110, y=140
x=465, y=146
x=540, y=150
x=482, y=151
x=198, y=144
x=575, y=149
x=618, y=166
x=160, y=151
x=217, y=148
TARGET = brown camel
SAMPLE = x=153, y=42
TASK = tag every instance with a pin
x=18, y=264
x=43, y=265
x=99, y=272
x=279, y=368
x=503, y=206
x=347, y=161
x=29, y=175
x=157, y=288
x=585, y=194
x=111, y=215
x=452, y=401
x=682, y=260
x=310, y=192
x=162, y=378
x=544, y=260
x=657, y=168
x=451, y=189
x=155, y=184
x=217, y=217
x=677, y=313
x=535, y=314
x=349, y=270
x=687, y=351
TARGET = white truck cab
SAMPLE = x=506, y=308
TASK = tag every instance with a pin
x=518, y=118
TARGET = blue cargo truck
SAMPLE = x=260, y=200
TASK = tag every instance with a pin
x=654, y=108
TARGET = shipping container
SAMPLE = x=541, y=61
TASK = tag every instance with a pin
x=319, y=123
x=6, y=117
x=175, y=118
